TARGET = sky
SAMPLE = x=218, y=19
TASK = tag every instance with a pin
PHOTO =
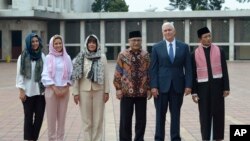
x=142, y=5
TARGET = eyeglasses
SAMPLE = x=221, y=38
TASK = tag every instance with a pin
x=135, y=40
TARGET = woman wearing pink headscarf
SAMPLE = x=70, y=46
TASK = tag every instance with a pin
x=56, y=78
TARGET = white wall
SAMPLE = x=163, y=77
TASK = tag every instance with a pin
x=82, y=5
x=26, y=26
x=22, y=4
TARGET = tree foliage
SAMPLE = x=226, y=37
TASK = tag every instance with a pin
x=197, y=4
x=109, y=6
x=241, y=1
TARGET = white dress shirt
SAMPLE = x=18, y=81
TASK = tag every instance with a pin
x=173, y=45
x=58, y=80
x=30, y=87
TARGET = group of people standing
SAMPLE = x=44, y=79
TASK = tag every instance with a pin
x=44, y=82
x=167, y=74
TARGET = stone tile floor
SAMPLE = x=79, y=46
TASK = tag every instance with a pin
x=237, y=109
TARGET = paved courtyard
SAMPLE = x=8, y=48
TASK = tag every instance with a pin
x=237, y=109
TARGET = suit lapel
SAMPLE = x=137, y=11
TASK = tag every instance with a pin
x=165, y=50
x=177, y=50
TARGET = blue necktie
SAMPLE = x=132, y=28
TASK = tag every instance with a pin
x=171, y=52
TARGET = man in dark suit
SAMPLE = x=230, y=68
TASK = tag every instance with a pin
x=170, y=80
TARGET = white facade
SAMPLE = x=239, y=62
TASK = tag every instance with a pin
x=48, y=5
x=36, y=16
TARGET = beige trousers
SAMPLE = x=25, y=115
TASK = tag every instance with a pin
x=92, y=108
x=56, y=108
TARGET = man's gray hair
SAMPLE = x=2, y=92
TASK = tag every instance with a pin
x=171, y=24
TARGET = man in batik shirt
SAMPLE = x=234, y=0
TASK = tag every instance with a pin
x=131, y=81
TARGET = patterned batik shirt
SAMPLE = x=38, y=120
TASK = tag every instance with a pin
x=131, y=73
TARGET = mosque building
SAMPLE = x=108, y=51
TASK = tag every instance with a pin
x=74, y=20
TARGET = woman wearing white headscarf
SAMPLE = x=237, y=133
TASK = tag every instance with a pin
x=91, y=87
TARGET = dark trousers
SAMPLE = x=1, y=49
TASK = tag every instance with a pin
x=33, y=116
x=212, y=114
x=174, y=100
x=126, y=114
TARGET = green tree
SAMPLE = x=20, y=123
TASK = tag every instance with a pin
x=180, y=4
x=109, y=6
x=215, y=4
x=241, y=1
x=197, y=4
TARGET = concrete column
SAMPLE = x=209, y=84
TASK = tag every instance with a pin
x=68, y=5
x=144, y=34
x=209, y=24
x=60, y=5
x=34, y=3
x=123, y=35
x=102, y=36
x=6, y=43
x=15, y=4
x=62, y=29
x=231, y=39
x=54, y=5
x=82, y=34
x=187, y=31
x=45, y=3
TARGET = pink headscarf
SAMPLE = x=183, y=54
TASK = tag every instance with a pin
x=53, y=53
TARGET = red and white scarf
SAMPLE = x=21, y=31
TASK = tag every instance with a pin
x=201, y=63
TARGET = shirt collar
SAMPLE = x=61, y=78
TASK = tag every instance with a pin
x=131, y=51
x=173, y=42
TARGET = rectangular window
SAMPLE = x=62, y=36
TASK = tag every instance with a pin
x=220, y=30
x=242, y=52
x=194, y=26
x=112, y=52
x=179, y=26
x=154, y=31
x=73, y=51
x=53, y=27
x=112, y=31
x=72, y=32
x=92, y=27
x=242, y=30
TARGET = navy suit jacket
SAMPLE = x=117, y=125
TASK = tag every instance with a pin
x=163, y=72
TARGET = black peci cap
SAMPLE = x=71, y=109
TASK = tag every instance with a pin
x=202, y=31
x=133, y=34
